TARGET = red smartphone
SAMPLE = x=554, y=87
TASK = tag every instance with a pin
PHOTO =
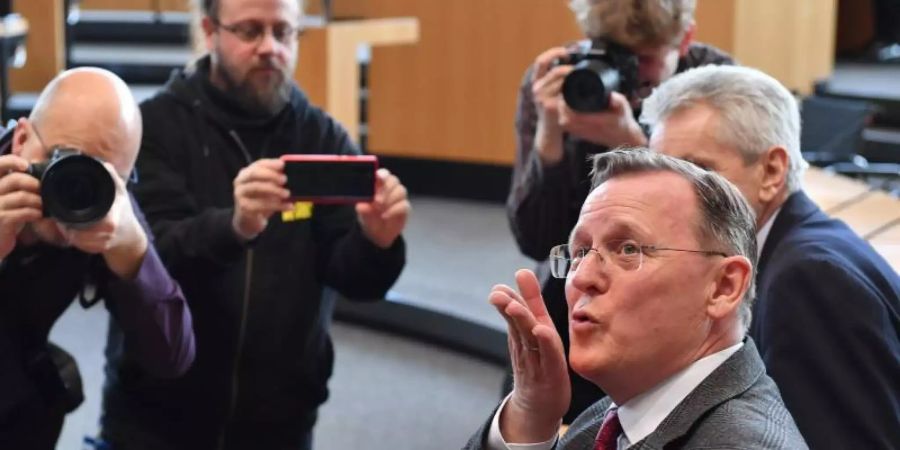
x=331, y=178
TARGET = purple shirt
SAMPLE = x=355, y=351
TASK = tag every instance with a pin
x=152, y=310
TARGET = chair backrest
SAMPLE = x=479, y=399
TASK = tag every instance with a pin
x=832, y=128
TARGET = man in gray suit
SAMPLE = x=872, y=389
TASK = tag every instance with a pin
x=659, y=279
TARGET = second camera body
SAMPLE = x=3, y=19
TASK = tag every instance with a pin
x=598, y=71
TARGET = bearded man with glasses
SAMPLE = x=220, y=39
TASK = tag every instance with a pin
x=659, y=281
x=212, y=186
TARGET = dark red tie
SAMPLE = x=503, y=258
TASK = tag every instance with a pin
x=609, y=432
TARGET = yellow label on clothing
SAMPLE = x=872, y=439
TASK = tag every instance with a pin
x=301, y=211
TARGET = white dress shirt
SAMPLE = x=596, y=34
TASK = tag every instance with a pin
x=641, y=415
x=763, y=234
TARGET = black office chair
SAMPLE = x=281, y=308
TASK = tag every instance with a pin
x=831, y=137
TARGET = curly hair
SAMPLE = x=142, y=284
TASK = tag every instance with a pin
x=635, y=23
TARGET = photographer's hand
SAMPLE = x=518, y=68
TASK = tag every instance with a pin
x=384, y=218
x=118, y=236
x=615, y=127
x=546, y=85
x=259, y=192
x=20, y=201
x=541, y=389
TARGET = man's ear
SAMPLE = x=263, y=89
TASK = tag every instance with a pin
x=774, y=164
x=21, y=135
x=687, y=39
x=209, y=28
x=731, y=282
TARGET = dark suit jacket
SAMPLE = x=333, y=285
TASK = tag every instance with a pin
x=826, y=321
x=735, y=407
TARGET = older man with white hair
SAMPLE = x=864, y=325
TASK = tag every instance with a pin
x=827, y=316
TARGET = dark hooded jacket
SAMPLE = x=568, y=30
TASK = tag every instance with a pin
x=261, y=309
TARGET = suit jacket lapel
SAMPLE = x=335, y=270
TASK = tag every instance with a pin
x=797, y=208
x=583, y=432
x=731, y=379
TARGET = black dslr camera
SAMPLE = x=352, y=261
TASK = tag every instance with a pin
x=598, y=71
x=75, y=188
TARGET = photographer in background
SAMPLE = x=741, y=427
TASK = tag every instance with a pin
x=551, y=173
x=45, y=263
x=214, y=192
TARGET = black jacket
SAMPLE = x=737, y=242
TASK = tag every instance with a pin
x=261, y=316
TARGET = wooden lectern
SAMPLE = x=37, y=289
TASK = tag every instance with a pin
x=328, y=69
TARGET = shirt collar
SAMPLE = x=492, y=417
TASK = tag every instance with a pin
x=642, y=415
x=763, y=233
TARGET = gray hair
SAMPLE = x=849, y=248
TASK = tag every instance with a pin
x=635, y=23
x=726, y=223
x=756, y=111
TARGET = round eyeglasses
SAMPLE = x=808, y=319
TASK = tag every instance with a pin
x=625, y=254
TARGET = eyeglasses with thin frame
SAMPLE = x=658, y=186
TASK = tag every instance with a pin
x=625, y=254
x=251, y=32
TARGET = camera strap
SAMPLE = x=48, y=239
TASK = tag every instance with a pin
x=88, y=295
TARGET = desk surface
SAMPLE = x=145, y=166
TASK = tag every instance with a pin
x=890, y=252
x=830, y=191
x=889, y=235
x=870, y=214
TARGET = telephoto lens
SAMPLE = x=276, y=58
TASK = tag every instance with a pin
x=75, y=188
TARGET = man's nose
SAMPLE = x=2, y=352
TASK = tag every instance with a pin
x=592, y=275
x=267, y=43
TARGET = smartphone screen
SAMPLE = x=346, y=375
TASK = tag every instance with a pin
x=331, y=178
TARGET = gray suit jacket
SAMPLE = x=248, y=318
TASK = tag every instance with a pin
x=736, y=407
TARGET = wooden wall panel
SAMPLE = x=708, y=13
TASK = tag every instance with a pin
x=342, y=9
x=452, y=96
x=45, y=45
x=138, y=5
x=311, y=65
x=794, y=41
x=328, y=68
x=174, y=5
x=125, y=5
x=715, y=23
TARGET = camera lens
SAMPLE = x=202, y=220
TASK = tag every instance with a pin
x=77, y=189
x=588, y=86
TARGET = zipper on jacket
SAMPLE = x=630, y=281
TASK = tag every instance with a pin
x=235, y=377
x=240, y=144
x=235, y=374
